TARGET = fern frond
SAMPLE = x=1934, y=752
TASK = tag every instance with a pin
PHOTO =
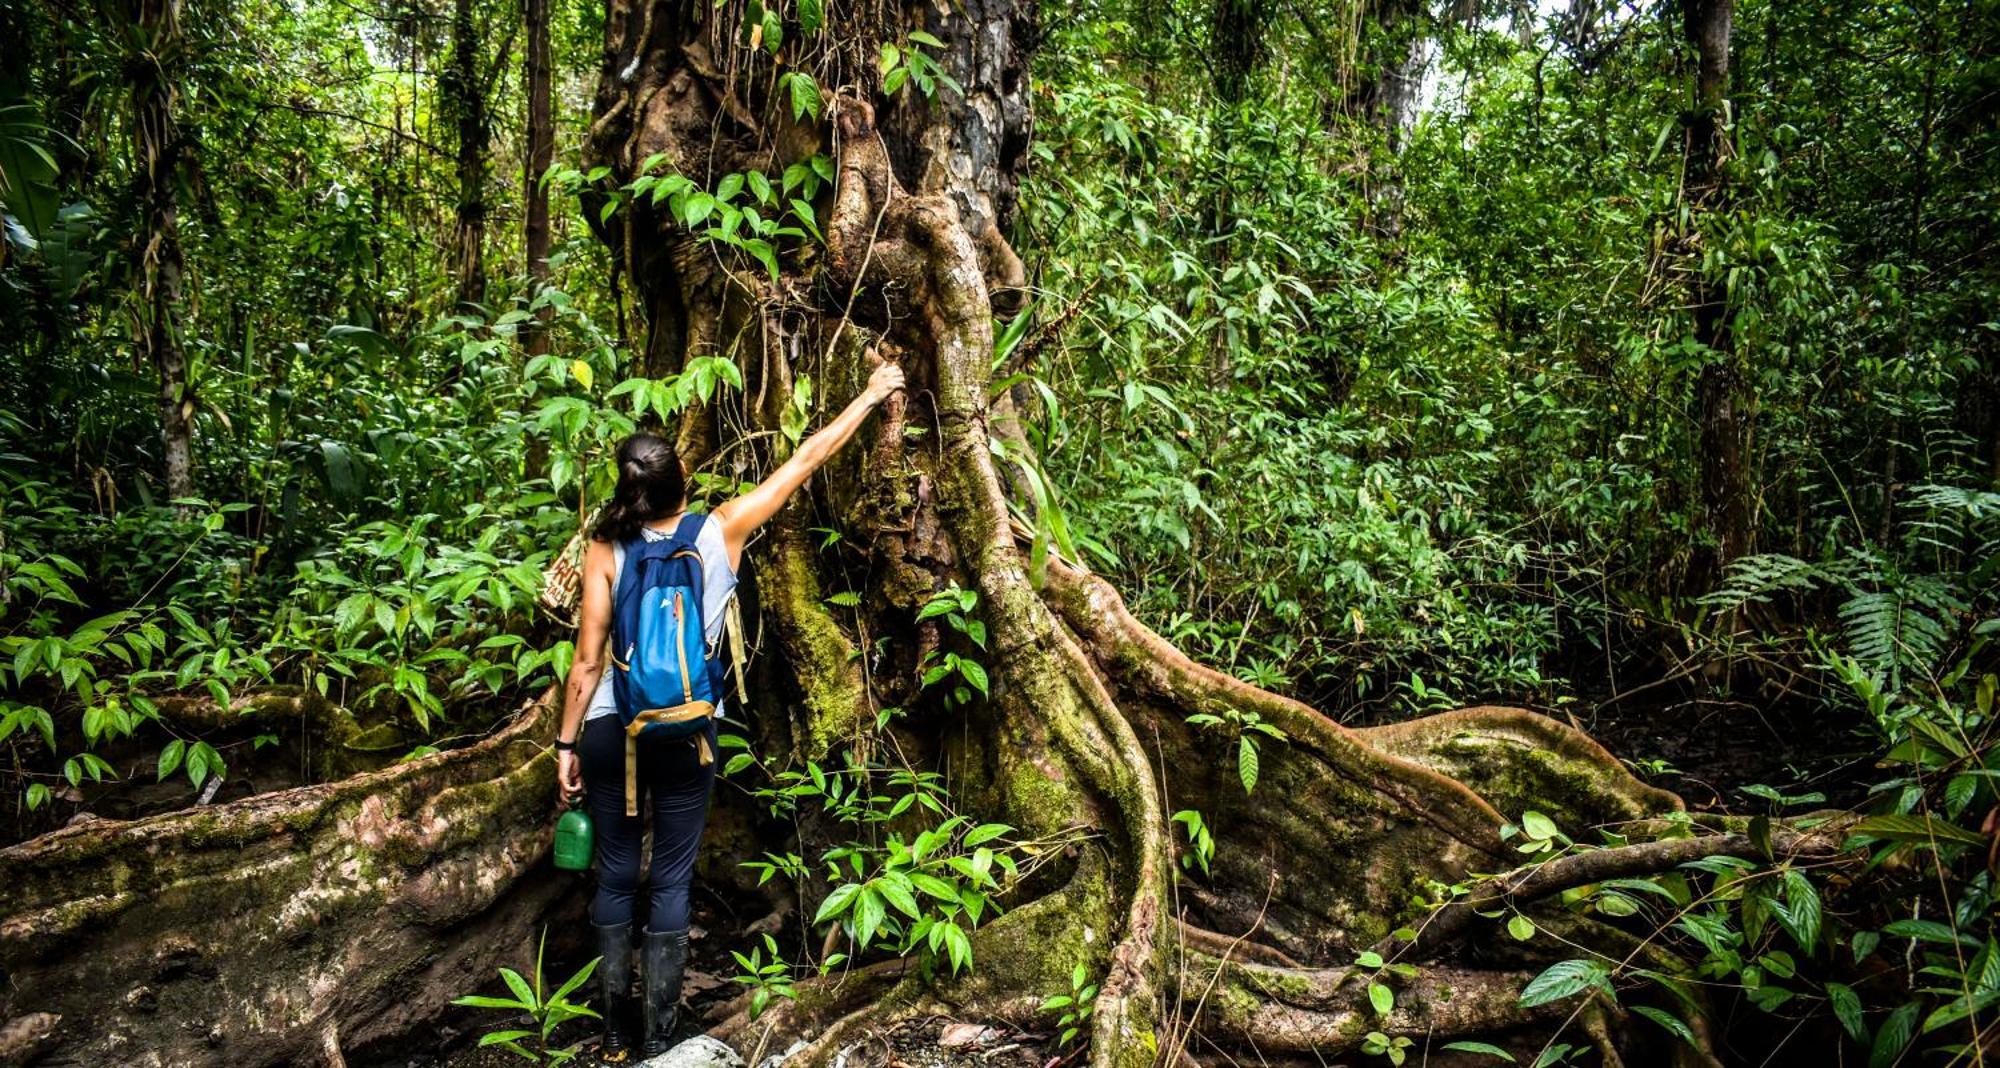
x=1903, y=628
x=1756, y=579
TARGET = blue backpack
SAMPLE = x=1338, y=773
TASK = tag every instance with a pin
x=664, y=679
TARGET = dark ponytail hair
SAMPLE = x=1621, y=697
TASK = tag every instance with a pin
x=650, y=487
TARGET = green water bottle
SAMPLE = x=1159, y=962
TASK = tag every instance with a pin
x=575, y=838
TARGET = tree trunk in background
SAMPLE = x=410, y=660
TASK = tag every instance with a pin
x=1722, y=399
x=541, y=147
x=154, y=29
x=465, y=99
x=1398, y=51
x=1385, y=97
x=1235, y=48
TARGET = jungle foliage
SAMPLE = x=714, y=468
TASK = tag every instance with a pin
x=1394, y=407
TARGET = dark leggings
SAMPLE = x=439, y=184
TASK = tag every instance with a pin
x=671, y=771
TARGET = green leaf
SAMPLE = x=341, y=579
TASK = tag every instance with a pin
x=1538, y=826
x=1847, y=1009
x=338, y=469
x=812, y=15
x=519, y=986
x=1485, y=1048
x=804, y=95
x=958, y=945
x=1802, y=912
x=1246, y=763
x=1521, y=927
x=1565, y=979
x=477, y=1001
x=899, y=895
x=1926, y=931
x=28, y=173
x=1611, y=903
x=1381, y=999
x=1923, y=830
x=1668, y=1020
x=869, y=912
x=1894, y=1036
x=934, y=886
x=974, y=674
x=765, y=254
x=575, y=981
x=197, y=762
x=984, y=833
x=170, y=758
x=837, y=902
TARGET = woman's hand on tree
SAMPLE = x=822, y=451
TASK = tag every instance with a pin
x=569, y=776
x=886, y=379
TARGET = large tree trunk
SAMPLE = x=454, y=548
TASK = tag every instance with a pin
x=360, y=905
x=1087, y=707
x=154, y=29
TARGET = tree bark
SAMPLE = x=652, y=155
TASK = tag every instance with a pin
x=153, y=26
x=1385, y=97
x=465, y=93
x=540, y=153
x=241, y=934
x=1723, y=399
x=1236, y=46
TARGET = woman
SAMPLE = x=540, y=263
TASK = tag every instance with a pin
x=649, y=503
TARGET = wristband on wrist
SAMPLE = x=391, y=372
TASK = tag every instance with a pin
x=565, y=747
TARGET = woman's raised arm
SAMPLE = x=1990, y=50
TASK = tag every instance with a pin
x=741, y=516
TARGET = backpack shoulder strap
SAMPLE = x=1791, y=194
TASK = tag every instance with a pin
x=689, y=527
x=624, y=591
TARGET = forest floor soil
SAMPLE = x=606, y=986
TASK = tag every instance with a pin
x=1708, y=751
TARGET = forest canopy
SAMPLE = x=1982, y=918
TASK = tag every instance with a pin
x=1465, y=532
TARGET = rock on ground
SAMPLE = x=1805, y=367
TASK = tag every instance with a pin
x=700, y=1051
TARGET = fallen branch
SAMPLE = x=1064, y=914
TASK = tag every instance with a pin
x=1539, y=881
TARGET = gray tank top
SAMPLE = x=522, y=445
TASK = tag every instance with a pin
x=718, y=585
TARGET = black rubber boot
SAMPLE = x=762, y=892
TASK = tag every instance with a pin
x=614, y=987
x=666, y=960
